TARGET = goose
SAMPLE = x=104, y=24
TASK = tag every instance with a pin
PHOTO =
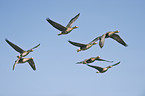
x=82, y=46
x=63, y=29
x=24, y=60
x=22, y=52
x=102, y=70
x=92, y=59
x=110, y=34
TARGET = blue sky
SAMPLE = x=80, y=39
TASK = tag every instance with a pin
x=24, y=23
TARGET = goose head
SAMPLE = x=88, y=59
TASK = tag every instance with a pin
x=75, y=27
x=97, y=57
x=94, y=43
x=78, y=50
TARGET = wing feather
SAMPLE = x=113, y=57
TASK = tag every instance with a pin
x=118, y=39
x=102, y=40
x=116, y=64
x=95, y=40
x=32, y=64
x=36, y=46
x=17, y=48
x=76, y=44
x=56, y=25
x=103, y=60
x=72, y=21
x=96, y=67
x=16, y=63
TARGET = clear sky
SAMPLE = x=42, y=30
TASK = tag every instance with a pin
x=23, y=22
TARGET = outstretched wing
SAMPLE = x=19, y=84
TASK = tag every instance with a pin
x=113, y=65
x=102, y=40
x=118, y=39
x=32, y=64
x=116, y=63
x=104, y=60
x=96, y=67
x=95, y=40
x=82, y=62
x=56, y=25
x=76, y=44
x=16, y=63
x=17, y=48
x=36, y=46
x=72, y=21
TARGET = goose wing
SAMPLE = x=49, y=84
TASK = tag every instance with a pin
x=96, y=67
x=32, y=64
x=17, y=48
x=17, y=61
x=116, y=64
x=103, y=60
x=36, y=46
x=76, y=44
x=82, y=62
x=56, y=25
x=95, y=40
x=72, y=21
x=118, y=39
x=102, y=40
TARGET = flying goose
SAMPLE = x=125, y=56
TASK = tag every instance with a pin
x=22, y=52
x=111, y=34
x=63, y=29
x=82, y=46
x=92, y=59
x=102, y=70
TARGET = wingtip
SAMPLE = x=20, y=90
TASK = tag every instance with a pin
x=126, y=45
x=68, y=40
x=101, y=46
x=59, y=34
x=6, y=39
x=47, y=18
x=78, y=63
x=13, y=69
x=118, y=62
